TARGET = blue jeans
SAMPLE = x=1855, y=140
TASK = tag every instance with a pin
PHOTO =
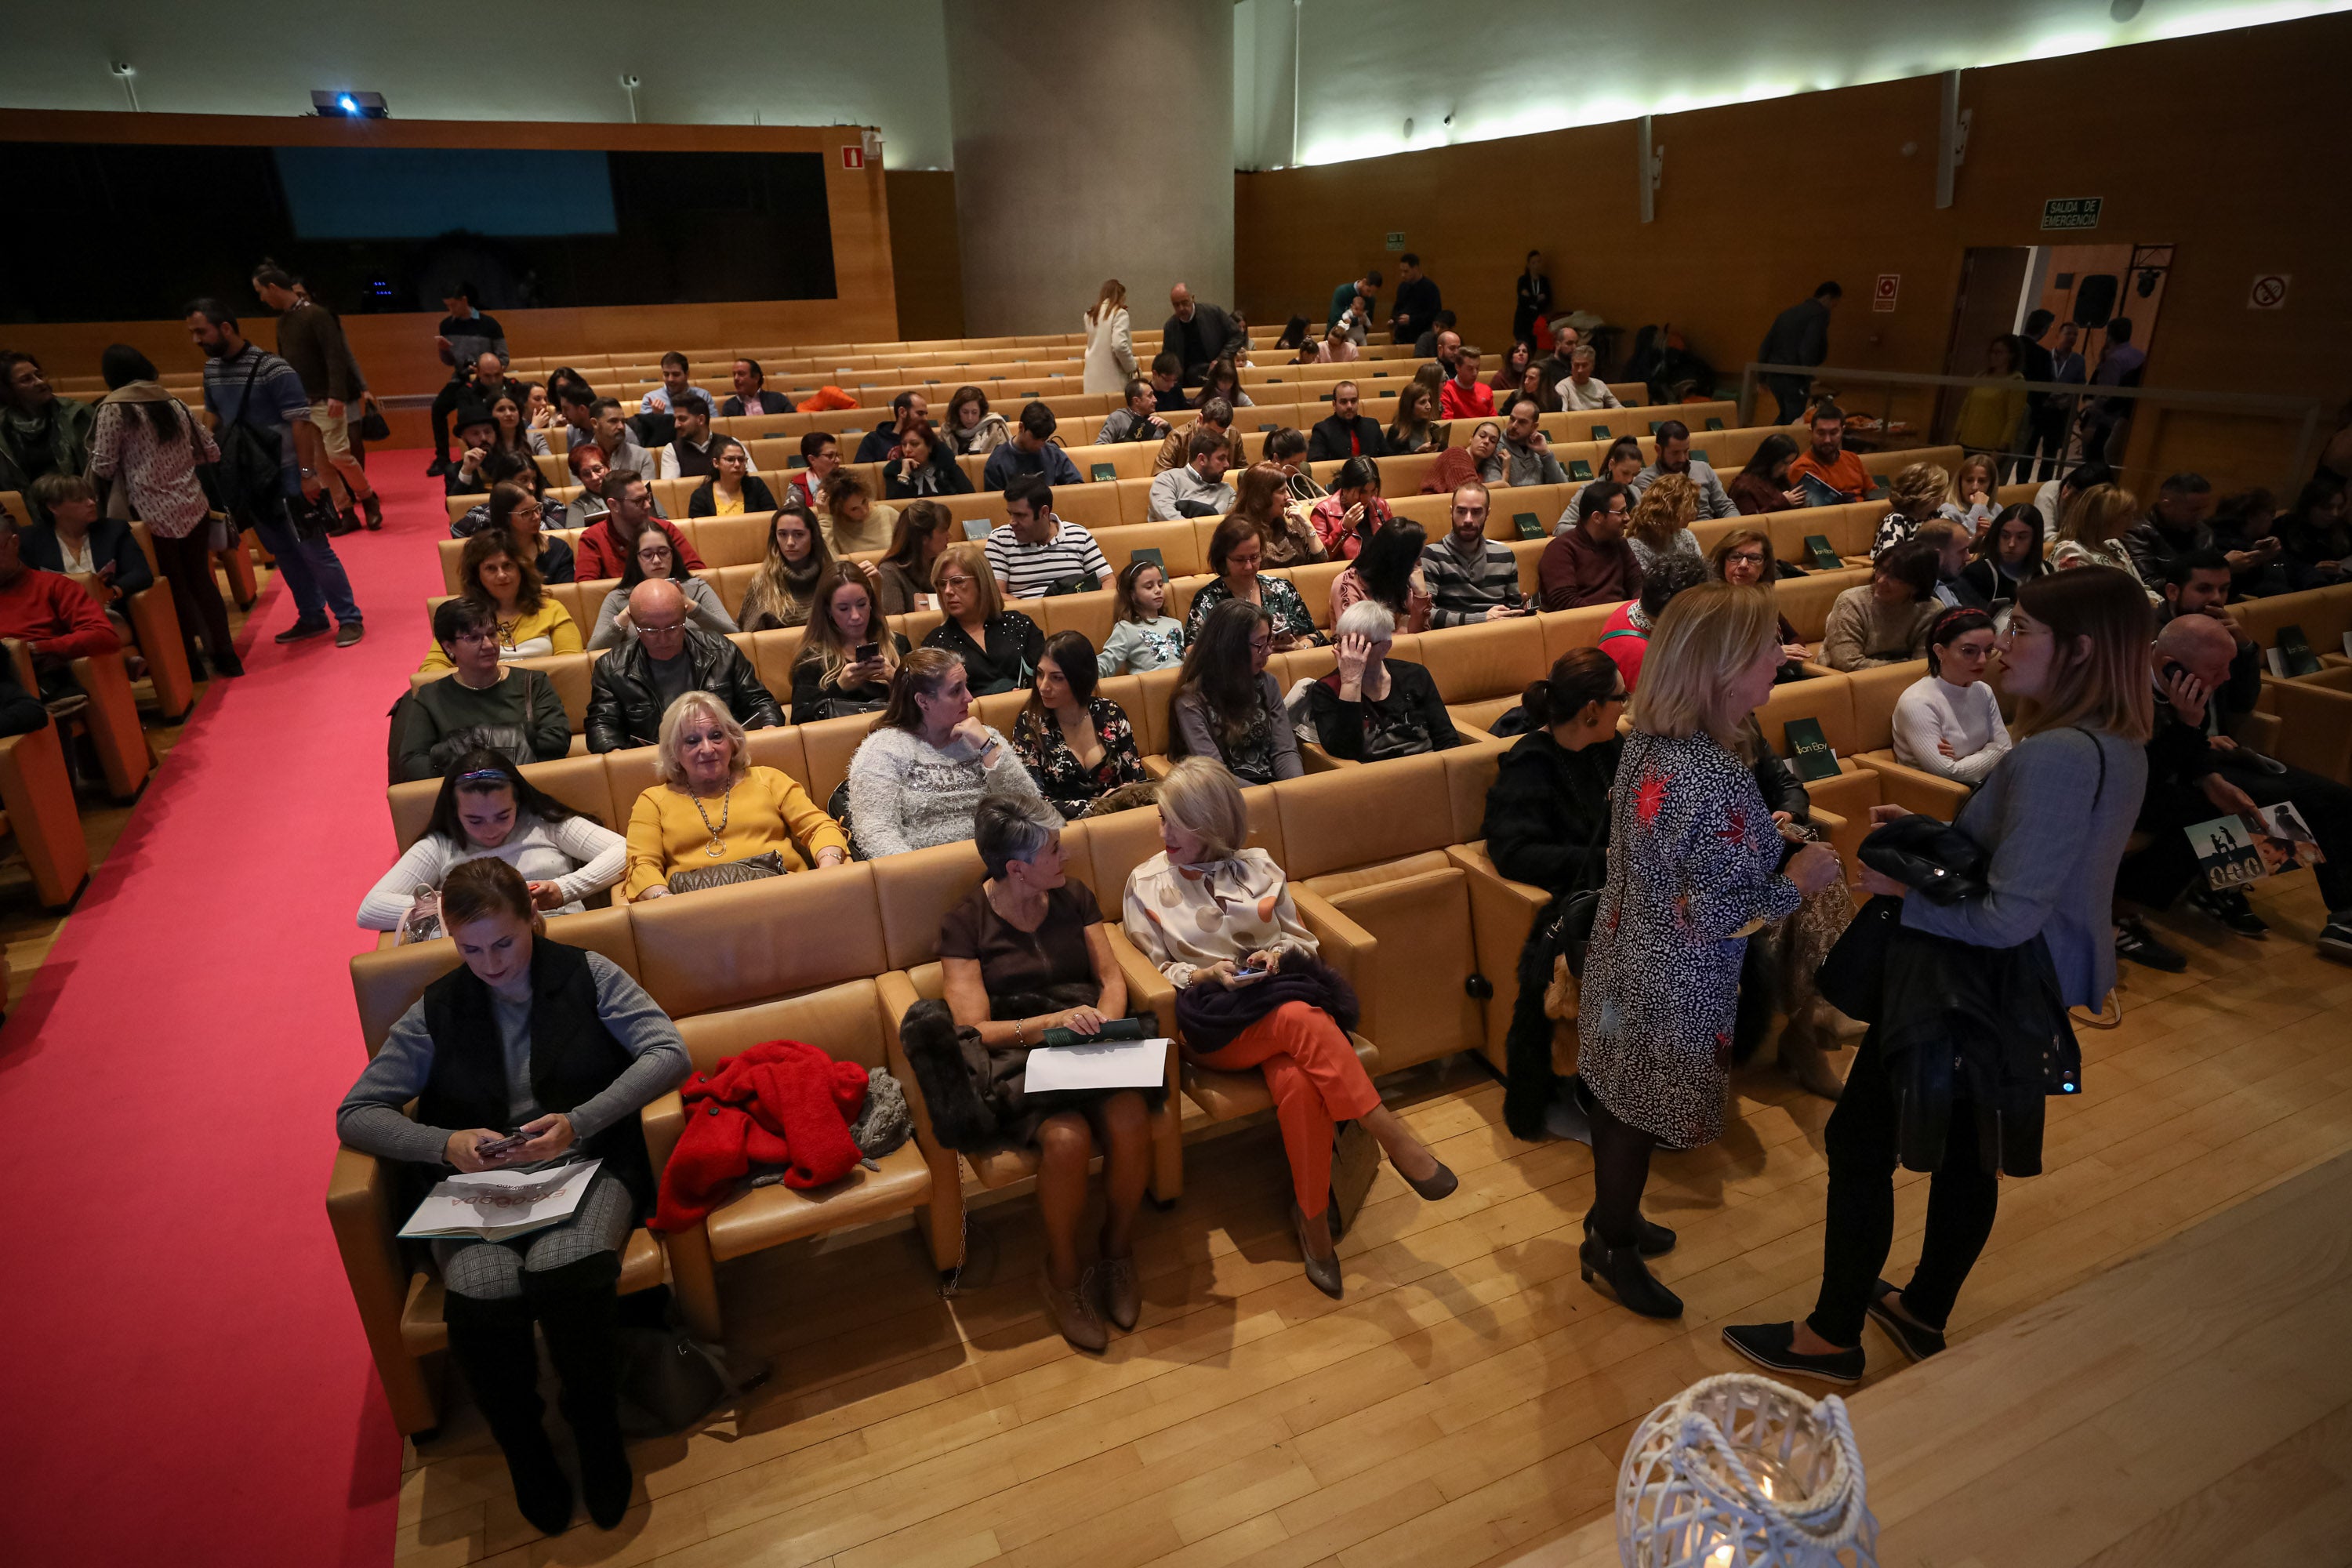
x=313, y=573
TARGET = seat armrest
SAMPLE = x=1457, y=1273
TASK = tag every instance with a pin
x=664, y=1121
x=1317, y=761
x=895, y=993
x=2314, y=729
x=359, y=1213
x=1346, y=946
x=1147, y=988
x=1915, y=789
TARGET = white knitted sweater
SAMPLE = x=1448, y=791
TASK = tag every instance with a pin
x=907, y=794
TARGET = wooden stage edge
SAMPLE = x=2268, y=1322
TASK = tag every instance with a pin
x=2192, y=1404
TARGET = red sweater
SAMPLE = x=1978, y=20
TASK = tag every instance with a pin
x=51, y=611
x=1477, y=403
x=597, y=557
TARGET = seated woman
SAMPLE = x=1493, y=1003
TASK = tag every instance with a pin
x=1744, y=558
x=856, y=523
x=504, y=469
x=903, y=583
x=1970, y=501
x=1261, y=498
x=1916, y=495
x=1237, y=556
x=731, y=490
x=1027, y=951
x=518, y=510
x=713, y=808
x=2315, y=537
x=1226, y=706
x=559, y=1046
x=784, y=588
x=1372, y=707
x=530, y=624
x=1457, y=465
x=971, y=430
x=2007, y=553
x=1349, y=517
x=924, y=467
x=848, y=655
x=918, y=779
x=487, y=808
x=653, y=555
x=1389, y=572
x=1143, y=636
x=1217, y=918
x=1948, y=722
x=1885, y=620
x=2090, y=533
x=1763, y=487
x=996, y=647
x=1415, y=427
x=1661, y=521
x=1224, y=380
x=1076, y=746
x=1286, y=450
x=76, y=538
x=511, y=422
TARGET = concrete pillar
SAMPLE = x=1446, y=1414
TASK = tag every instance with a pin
x=1093, y=139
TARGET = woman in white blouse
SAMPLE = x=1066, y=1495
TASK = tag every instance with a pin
x=487, y=808
x=1110, y=346
x=1948, y=722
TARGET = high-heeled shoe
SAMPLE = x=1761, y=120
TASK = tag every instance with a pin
x=1630, y=1279
x=1438, y=1184
x=1650, y=1240
x=1323, y=1273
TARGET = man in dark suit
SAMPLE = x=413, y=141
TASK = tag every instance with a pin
x=1347, y=434
x=1800, y=335
x=751, y=394
x=1199, y=334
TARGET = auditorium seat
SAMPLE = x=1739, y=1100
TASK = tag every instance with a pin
x=111, y=719
x=37, y=794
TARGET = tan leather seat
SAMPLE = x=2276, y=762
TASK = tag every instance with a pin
x=1875, y=693
x=38, y=796
x=111, y=719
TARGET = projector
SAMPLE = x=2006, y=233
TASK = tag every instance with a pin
x=339, y=104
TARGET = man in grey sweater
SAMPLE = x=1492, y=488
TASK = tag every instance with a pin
x=1524, y=458
x=1199, y=488
x=1675, y=457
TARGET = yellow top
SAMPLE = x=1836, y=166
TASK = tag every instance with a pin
x=551, y=621
x=724, y=505
x=766, y=810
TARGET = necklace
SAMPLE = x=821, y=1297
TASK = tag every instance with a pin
x=726, y=805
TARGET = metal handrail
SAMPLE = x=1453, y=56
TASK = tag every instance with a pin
x=2306, y=443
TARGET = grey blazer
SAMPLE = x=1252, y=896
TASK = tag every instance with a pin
x=2055, y=832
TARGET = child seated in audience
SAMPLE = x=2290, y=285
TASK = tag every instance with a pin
x=1143, y=636
x=1948, y=722
x=487, y=808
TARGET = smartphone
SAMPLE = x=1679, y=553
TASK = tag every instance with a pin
x=499, y=1148
x=867, y=652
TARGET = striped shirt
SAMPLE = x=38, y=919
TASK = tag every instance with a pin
x=278, y=401
x=1031, y=569
x=1464, y=589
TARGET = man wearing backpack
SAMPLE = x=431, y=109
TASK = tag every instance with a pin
x=271, y=457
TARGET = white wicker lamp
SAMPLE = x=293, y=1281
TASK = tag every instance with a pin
x=1742, y=1472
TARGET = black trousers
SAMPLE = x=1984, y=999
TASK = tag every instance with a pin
x=1861, y=1143
x=2165, y=868
x=1789, y=393
x=445, y=407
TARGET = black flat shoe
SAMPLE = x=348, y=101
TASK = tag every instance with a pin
x=1438, y=1183
x=1915, y=1341
x=1650, y=1240
x=1771, y=1346
x=1628, y=1279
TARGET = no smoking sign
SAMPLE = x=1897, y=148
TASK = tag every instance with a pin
x=2269, y=291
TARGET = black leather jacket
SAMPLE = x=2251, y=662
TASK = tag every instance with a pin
x=624, y=707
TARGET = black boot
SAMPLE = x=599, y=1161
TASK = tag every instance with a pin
x=491, y=1343
x=1630, y=1279
x=580, y=1314
x=1650, y=1240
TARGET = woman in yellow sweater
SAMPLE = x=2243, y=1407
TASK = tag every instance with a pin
x=1989, y=415
x=530, y=623
x=713, y=808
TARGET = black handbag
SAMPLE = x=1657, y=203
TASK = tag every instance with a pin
x=373, y=425
x=1927, y=856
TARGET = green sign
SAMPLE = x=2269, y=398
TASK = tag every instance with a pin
x=1396, y=239
x=2071, y=212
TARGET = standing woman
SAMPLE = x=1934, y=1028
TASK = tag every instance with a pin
x=653, y=555
x=1693, y=867
x=147, y=438
x=1110, y=343
x=1534, y=299
x=528, y=1037
x=2053, y=819
x=781, y=593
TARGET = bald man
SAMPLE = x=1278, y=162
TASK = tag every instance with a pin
x=1197, y=334
x=2197, y=773
x=634, y=684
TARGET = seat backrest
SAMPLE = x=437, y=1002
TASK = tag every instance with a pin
x=1826, y=697
x=387, y=982
x=577, y=782
x=1469, y=775
x=1876, y=692
x=756, y=941
x=915, y=892
x=1357, y=816
x=829, y=745
x=732, y=540
x=1805, y=601
x=1565, y=630
x=844, y=1021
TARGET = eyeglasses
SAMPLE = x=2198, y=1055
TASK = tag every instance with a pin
x=1744, y=558
x=1961, y=650
x=1261, y=645
x=652, y=631
x=488, y=633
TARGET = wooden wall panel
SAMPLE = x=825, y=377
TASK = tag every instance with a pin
x=926, y=253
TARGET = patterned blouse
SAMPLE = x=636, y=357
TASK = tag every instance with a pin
x=161, y=473
x=1061, y=777
x=1280, y=600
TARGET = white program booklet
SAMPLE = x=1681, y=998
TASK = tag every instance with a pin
x=1109, y=1064
x=492, y=1205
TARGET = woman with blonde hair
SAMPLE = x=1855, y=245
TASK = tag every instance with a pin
x=1660, y=525
x=713, y=808
x=2090, y=533
x=2052, y=818
x=1917, y=494
x=1216, y=917
x=1261, y=496
x=855, y=522
x=999, y=648
x=780, y=591
x=1694, y=866
x=1973, y=498
x=1110, y=341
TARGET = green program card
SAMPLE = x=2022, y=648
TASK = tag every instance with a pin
x=1578, y=468
x=1825, y=555
x=1103, y=473
x=1809, y=750
x=1531, y=525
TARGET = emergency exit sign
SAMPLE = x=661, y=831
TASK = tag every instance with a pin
x=1396, y=239
x=2071, y=212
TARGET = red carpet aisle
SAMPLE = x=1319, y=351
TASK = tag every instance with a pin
x=185, y=1380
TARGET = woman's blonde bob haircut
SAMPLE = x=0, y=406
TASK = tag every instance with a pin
x=1706, y=635
x=1201, y=797
x=968, y=554
x=2100, y=624
x=2099, y=514
x=693, y=705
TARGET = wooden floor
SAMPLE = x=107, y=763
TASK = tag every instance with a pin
x=1470, y=1399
